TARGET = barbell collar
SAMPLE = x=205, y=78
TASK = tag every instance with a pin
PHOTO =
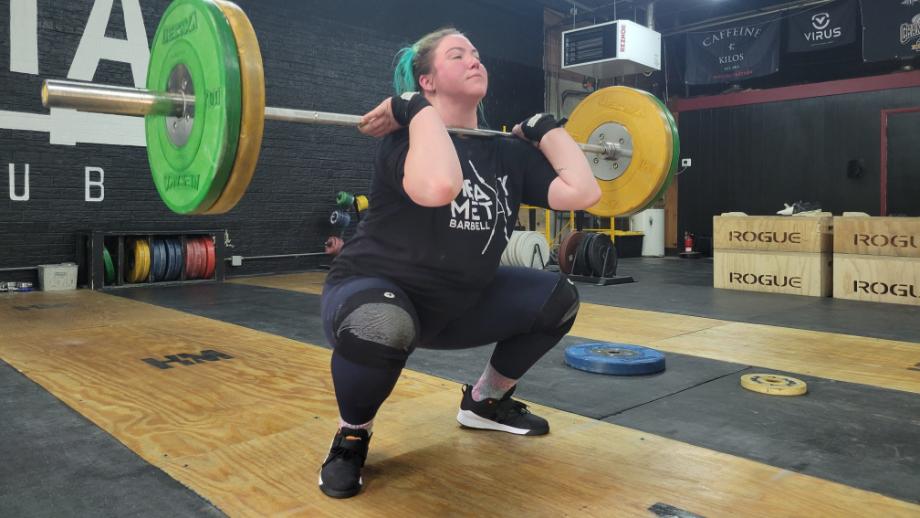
x=613, y=150
x=139, y=102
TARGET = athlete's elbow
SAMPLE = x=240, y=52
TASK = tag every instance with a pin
x=586, y=192
x=579, y=196
x=589, y=196
x=595, y=194
x=433, y=192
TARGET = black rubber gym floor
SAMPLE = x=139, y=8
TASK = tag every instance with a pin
x=859, y=435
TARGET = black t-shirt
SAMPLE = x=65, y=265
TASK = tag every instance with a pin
x=442, y=257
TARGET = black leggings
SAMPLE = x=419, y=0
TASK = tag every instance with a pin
x=525, y=311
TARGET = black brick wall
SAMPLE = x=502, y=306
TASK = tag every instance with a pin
x=323, y=55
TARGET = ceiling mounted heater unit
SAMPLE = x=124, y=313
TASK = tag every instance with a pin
x=611, y=49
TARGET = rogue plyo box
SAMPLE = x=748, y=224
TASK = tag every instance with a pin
x=877, y=259
x=775, y=254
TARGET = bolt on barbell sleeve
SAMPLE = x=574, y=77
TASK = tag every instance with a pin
x=139, y=102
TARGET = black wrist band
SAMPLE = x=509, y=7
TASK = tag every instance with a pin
x=407, y=106
x=539, y=125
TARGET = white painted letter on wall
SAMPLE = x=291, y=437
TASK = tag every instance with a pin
x=25, y=194
x=24, y=36
x=94, y=45
x=98, y=183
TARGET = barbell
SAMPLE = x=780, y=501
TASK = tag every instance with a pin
x=204, y=109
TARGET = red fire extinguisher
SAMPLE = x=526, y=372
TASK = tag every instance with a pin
x=688, y=242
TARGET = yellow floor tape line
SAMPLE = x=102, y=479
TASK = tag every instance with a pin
x=307, y=282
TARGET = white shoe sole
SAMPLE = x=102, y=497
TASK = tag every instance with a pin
x=469, y=419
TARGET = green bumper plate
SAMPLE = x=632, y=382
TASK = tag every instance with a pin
x=675, y=157
x=190, y=174
x=109, y=266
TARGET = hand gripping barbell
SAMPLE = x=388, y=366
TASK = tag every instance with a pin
x=204, y=109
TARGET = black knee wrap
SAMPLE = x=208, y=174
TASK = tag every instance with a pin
x=376, y=327
x=558, y=313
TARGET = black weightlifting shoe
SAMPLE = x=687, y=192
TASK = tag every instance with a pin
x=340, y=476
x=504, y=415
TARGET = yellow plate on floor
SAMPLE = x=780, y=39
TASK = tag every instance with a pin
x=252, y=124
x=651, y=139
x=774, y=384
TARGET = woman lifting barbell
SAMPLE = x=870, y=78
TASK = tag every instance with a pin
x=423, y=267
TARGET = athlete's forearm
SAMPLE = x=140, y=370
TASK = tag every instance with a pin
x=576, y=187
x=432, y=171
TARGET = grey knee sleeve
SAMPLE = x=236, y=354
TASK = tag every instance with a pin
x=376, y=327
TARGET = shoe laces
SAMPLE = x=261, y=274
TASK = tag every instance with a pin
x=508, y=407
x=346, y=453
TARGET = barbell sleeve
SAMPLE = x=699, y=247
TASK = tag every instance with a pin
x=139, y=102
x=116, y=100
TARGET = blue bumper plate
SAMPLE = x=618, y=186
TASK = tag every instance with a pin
x=614, y=358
